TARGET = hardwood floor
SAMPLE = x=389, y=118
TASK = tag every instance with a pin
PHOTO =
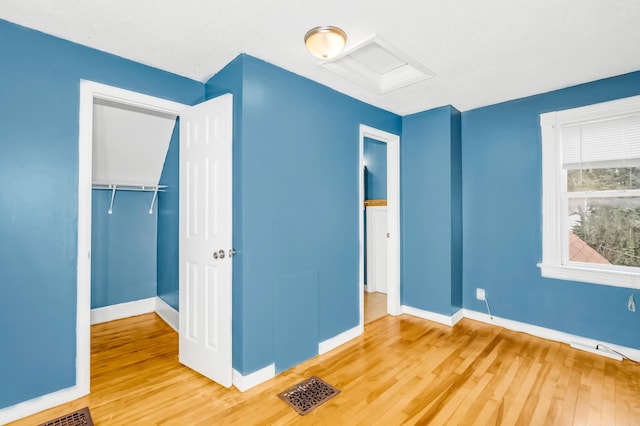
x=375, y=306
x=403, y=370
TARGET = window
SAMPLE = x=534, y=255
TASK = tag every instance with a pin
x=591, y=193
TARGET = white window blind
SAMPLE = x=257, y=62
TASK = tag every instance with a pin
x=613, y=142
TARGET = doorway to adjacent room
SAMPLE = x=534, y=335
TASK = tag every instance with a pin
x=379, y=224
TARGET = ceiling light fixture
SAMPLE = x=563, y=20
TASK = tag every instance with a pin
x=325, y=42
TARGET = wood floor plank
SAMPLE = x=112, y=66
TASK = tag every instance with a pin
x=608, y=395
x=403, y=370
x=375, y=306
x=547, y=384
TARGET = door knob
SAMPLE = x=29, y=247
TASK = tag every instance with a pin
x=220, y=254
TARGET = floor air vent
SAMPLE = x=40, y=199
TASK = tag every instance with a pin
x=81, y=417
x=309, y=394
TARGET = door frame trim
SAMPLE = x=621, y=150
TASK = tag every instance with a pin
x=89, y=91
x=393, y=216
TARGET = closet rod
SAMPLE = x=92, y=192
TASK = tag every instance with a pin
x=114, y=187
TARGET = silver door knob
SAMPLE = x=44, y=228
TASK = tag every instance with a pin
x=215, y=254
x=221, y=254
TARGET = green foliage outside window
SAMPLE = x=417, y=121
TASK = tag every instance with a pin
x=610, y=225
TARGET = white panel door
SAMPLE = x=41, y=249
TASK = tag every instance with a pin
x=377, y=248
x=205, y=238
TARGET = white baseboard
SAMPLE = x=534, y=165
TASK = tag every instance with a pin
x=243, y=383
x=432, y=316
x=579, y=342
x=457, y=316
x=35, y=405
x=340, y=339
x=595, y=350
x=550, y=334
x=168, y=314
x=123, y=310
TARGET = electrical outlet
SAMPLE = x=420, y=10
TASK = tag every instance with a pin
x=480, y=294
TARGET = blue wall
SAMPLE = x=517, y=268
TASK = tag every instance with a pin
x=168, y=224
x=375, y=158
x=502, y=217
x=39, y=82
x=431, y=220
x=123, y=248
x=298, y=212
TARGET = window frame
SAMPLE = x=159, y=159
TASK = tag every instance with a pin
x=554, y=207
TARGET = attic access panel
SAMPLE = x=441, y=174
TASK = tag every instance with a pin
x=378, y=66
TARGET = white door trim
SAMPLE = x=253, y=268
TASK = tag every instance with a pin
x=393, y=216
x=89, y=91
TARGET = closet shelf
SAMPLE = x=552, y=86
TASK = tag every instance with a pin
x=112, y=186
x=115, y=187
x=375, y=203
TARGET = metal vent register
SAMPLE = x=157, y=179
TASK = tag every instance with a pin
x=81, y=417
x=309, y=394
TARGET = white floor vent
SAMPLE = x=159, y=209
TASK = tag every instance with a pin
x=378, y=66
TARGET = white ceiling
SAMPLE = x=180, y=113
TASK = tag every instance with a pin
x=482, y=52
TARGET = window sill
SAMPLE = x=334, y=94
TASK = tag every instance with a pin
x=591, y=275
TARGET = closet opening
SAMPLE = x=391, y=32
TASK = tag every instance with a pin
x=129, y=146
x=124, y=139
